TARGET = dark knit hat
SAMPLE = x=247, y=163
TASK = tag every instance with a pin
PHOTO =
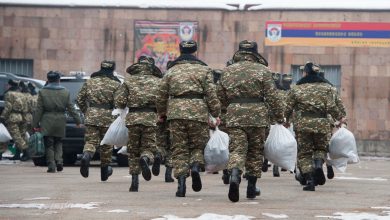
x=311, y=68
x=53, y=76
x=188, y=47
x=13, y=83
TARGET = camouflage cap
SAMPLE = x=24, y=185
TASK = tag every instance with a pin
x=146, y=59
x=53, y=76
x=188, y=47
x=245, y=48
x=107, y=65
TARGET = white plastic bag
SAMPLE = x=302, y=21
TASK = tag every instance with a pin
x=216, y=153
x=4, y=134
x=123, y=151
x=342, y=149
x=281, y=147
x=117, y=133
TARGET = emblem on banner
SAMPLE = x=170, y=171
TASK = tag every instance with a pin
x=186, y=31
x=274, y=32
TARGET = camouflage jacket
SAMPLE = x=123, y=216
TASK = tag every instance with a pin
x=14, y=107
x=188, y=78
x=139, y=91
x=282, y=96
x=31, y=102
x=311, y=102
x=96, y=100
x=249, y=80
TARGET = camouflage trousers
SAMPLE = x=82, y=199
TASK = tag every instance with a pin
x=53, y=146
x=188, y=139
x=164, y=143
x=18, y=134
x=142, y=142
x=311, y=146
x=93, y=137
x=246, y=149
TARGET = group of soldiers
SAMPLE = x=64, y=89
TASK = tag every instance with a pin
x=169, y=117
x=20, y=102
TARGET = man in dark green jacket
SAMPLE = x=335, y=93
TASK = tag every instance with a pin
x=49, y=117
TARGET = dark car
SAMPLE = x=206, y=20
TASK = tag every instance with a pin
x=73, y=142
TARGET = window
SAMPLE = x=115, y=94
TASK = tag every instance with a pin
x=332, y=73
x=20, y=67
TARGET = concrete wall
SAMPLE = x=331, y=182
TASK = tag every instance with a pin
x=68, y=39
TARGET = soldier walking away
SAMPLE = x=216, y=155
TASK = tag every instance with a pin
x=49, y=118
x=340, y=106
x=246, y=89
x=12, y=117
x=139, y=92
x=186, y=96
x=312, y=99
x=96, y=101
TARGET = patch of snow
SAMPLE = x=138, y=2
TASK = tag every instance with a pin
x=380, y=207
x=275, y=215
x=357, y=178
x=56, y=206
x=118, y=211
x=208, y=216
x=355, y=216
x=37, y=198
x=248, y=203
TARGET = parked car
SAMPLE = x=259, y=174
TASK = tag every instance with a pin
x=73, y=142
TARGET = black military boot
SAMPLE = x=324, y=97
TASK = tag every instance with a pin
x=275, y=171
x=156, y=165
x=26, y=155
x=105, y=172
x=60, y=167
x=225, y=176
x=16, y=155
x=300, y=178
x=144, y=163
x=181, y=186
x=319, y=176
x=251, y=189
x=134, y=183
x=310, y=182
x=84, y=168
x=168, y=175
x=235, y=179
x=196, y=181
x=264, y=167
x=329, y=171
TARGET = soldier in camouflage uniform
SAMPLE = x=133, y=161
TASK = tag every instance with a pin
x=138, y=93
x=312, y=99
x=340, y=106
x=164, y=145
x=49, y=117
x=96, y=101
x=245, y=87
x=187, y=94
x=12, y=117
